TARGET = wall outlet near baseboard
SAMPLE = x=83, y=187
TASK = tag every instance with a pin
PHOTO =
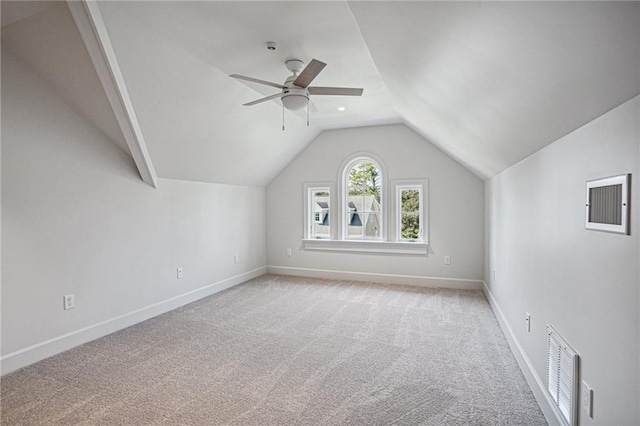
x=69, y=302
x=236, y=258
x=587, y=399
x=179, y=272
x=447, y=260
x=288, y=252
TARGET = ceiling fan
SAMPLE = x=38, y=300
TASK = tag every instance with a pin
x=295, y=90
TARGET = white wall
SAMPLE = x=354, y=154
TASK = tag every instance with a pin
x=455, y=204
x=585, y=283
x=77, y=219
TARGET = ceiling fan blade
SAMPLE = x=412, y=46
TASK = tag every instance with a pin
x=255, y=80
x=339, y=91
x=310, y=72
x=268, y=98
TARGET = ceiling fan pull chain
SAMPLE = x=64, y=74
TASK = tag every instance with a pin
x=307, y=112
x=283, y=116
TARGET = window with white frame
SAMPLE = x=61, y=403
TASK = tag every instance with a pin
x=365, y=217
x=318, y=223
x=362, y=203
x=410, y=211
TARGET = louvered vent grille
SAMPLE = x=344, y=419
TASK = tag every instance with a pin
x=608, y=204
x=562, y=376
x=605, y=204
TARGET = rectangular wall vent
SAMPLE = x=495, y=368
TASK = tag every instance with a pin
x=608, y=204
x=562, y=376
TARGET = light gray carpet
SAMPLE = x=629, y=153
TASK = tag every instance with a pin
x=288, y=351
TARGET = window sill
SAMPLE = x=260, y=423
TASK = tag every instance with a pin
x=363, y=246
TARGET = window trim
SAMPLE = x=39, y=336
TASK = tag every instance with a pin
x=309, y=212
x=423, y=186
x=367, y=246
x=389, y=243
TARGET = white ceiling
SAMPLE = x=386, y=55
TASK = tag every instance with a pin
x=493, y=82
x=488, y=82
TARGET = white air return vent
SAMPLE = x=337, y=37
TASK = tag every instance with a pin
x=607, y=207
x=562, y=376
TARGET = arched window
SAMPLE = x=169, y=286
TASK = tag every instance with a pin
x=363, y=200
x=363, y=211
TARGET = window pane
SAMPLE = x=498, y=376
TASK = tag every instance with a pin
x=320, y=224
x=356, y=177
x=372, y=227
x=363, y=207
x=410, y=213
x=410, y=226
x=410, y=200
x=356, y=190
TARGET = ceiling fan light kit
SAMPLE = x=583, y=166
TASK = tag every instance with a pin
x=295, y=91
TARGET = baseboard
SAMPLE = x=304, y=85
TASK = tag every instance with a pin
x=549, y=409
x=455, y=283
x=23, y=357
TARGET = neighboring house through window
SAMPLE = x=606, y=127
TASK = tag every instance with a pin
x=364, y=217
x=318, y=223
x=363, y=199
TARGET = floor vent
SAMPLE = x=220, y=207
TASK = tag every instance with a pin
x=562, y=376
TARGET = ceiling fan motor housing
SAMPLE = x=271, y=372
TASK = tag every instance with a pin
x=294, y=65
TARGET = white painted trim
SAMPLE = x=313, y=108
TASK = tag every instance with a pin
x=423, y=186
x=548, y=407
x=367, y=246
x=413, y=280
x=26, y=356
x=94, y=33
x=308, y=187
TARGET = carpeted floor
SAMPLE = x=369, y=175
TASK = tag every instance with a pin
x=288, y=351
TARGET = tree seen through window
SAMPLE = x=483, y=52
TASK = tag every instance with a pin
x=364, y=189
x=410, y=214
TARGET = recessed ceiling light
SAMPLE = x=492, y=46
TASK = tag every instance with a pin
x=341, y=108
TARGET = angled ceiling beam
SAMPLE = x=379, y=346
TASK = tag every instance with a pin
x=96, y=39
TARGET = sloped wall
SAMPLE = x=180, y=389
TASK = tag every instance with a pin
x=583, y=282
x=455, y=205
x=77, y=219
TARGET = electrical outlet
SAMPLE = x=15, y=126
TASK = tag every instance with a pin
x=69, y=302
x=236, y=258
x=527, y=319
x=179, y=272
x=288, y=252
x=447, y=260
x=587, y=399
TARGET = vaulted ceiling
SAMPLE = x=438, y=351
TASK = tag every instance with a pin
x=488, y=82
